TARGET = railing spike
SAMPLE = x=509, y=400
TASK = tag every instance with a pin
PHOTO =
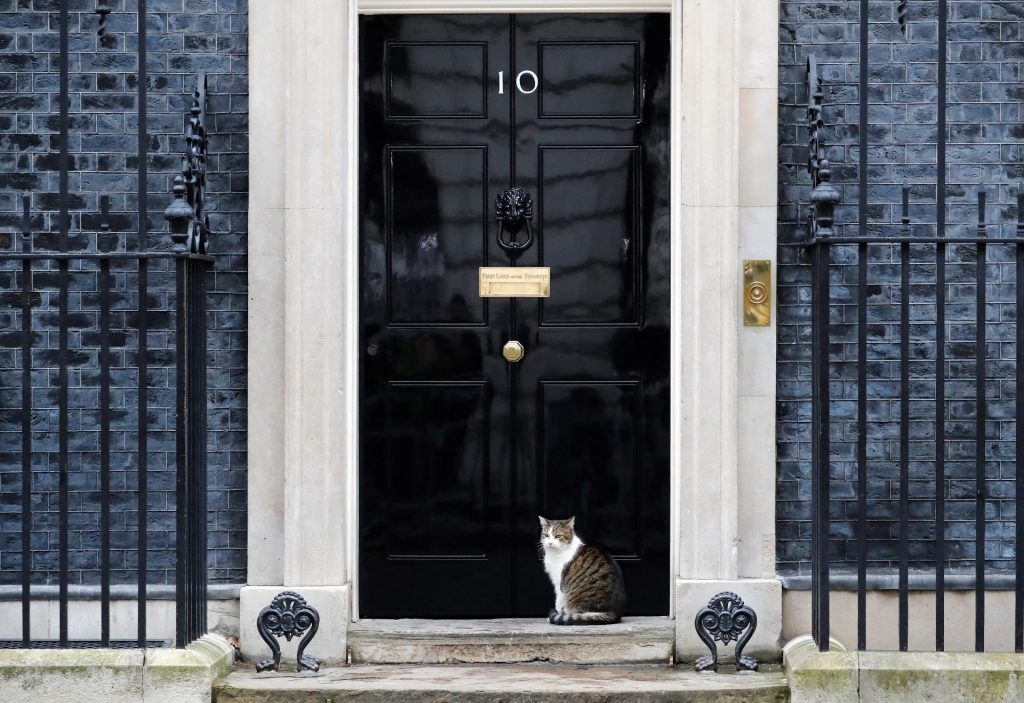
x=187, y=212
x=103, y=9
x=906, y=206
x=26, y=223
x=982, y=199
x=824, y=195
x=903, y=16
x=105, y=214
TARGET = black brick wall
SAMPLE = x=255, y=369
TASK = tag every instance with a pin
x=986, y=134
x=184, y=36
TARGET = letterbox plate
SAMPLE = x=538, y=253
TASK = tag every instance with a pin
x=515, y=282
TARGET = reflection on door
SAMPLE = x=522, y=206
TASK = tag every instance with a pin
x=461, y=449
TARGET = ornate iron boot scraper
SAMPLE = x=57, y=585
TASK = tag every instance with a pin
x=288, y=616
x=726, y=618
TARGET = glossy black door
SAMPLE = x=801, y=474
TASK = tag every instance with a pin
x=460, y=450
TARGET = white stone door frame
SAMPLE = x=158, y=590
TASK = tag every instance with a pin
x=304, y=303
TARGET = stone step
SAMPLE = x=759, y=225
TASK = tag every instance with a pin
x=508, y=683
x=510, y=640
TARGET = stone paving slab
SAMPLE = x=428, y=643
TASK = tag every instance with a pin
x=838, y=676
x=642, y=640
x=509, y=683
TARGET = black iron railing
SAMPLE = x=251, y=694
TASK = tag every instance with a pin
x=824, y=373
x=56, y=285
x=96, y=273
x=191, y=483
x=842, y=300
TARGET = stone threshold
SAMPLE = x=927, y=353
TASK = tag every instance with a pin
x=641, y=640
x=510, y=683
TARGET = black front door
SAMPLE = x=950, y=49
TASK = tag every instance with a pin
x=461, y=449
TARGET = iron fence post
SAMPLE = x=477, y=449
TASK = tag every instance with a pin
x=820, y=443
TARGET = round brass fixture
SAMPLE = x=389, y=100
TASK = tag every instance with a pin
x=513, y=351
x=757, y=293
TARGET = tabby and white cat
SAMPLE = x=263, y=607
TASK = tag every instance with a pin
x=588, y=582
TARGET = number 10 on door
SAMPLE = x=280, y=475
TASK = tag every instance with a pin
x=530, y=75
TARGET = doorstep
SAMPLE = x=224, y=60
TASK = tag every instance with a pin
x=507, y=683
x=642, y=640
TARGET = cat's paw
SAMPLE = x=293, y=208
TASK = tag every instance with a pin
x=552, y=616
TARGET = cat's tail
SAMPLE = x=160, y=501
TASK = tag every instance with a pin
x=589, y=618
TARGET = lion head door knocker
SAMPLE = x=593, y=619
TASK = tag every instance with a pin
x=513, y=209
x=288, y=616
x=726, y=618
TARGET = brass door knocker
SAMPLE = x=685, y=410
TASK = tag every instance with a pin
x=513, y=209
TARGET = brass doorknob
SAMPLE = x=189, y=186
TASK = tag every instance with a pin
x=513, y=351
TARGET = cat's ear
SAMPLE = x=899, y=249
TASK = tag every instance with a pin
x=543, y=522
x=571, y=522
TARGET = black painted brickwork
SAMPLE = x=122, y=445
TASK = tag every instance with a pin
x=184, y=36
x=986, y=51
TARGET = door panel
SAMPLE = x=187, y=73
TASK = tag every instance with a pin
x=589, y=221
x=589, y=79
x=461, y=450
x=437, y=504
x=590, y=461
x=441, y=79
x=437, y=225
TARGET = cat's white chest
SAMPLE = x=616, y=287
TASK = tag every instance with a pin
x=555, y=561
